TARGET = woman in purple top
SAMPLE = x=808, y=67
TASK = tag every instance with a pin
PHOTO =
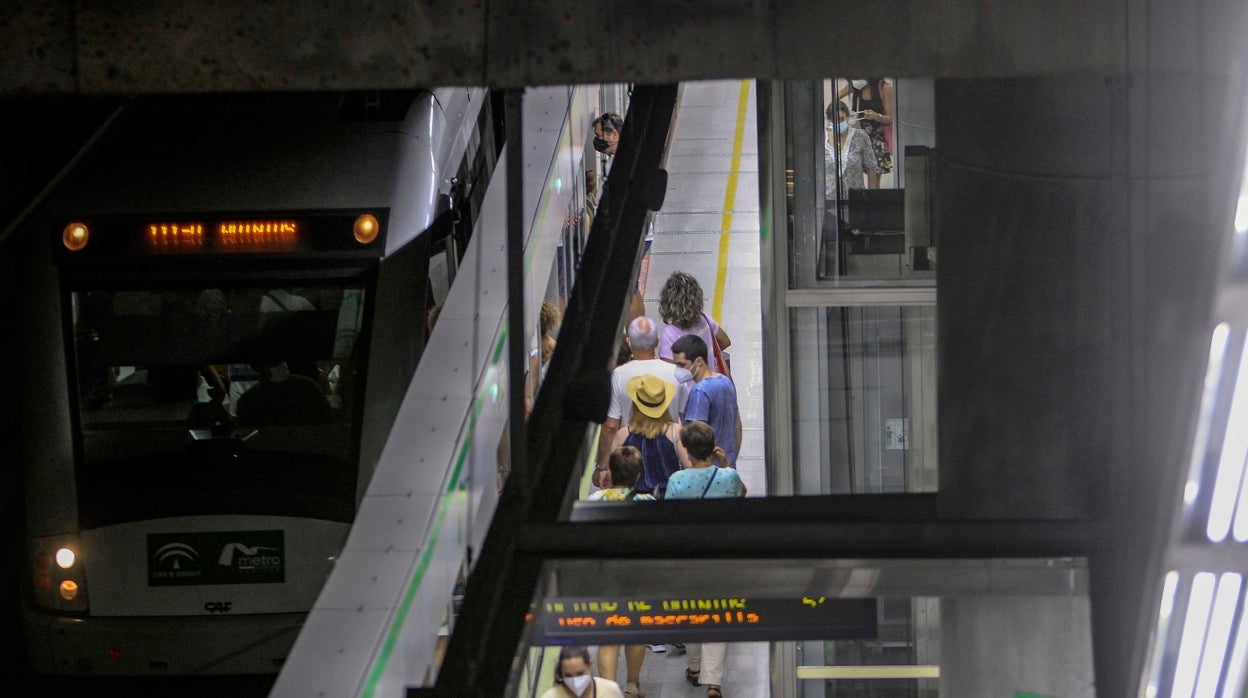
x=680, y=306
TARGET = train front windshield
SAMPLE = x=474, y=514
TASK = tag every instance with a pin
x=218, y=401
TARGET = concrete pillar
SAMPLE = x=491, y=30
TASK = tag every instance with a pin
x=1003, y=645
x=1030, y=200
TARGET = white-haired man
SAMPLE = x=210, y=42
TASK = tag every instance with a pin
x=643, y=342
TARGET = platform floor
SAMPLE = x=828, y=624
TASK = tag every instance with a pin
x=709, y=227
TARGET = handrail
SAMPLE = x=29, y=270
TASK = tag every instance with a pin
x=576, y=390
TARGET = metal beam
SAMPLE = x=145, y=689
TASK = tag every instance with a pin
x=129, y=47
x=728, y=534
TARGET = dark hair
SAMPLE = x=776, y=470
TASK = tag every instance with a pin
x=698, y=439
x=692, y=346
x=609, y=121
x=833, y=108
x=625, y=465
x=571, y=652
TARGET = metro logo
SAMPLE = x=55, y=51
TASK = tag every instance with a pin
x=245, y=557
x=250, y=558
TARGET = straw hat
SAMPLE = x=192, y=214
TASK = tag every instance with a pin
x=651, y=394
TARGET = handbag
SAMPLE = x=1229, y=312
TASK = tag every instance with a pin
x=720, y=359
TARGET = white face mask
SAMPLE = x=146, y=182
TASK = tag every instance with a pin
x=858, y=84
x=577, y=684
x=683, y=375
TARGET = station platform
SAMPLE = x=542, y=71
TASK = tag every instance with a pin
x=709, y=228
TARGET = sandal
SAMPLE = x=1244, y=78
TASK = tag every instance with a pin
x=713, y=691
x=632, y=690
x=692, y=676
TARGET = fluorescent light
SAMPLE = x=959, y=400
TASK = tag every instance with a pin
x=1235, y=667
x=1193, y=640
x=1224, y=604
x=1200, y=445
x=1241, y=206
x=1163, y=631
x=1231, y=463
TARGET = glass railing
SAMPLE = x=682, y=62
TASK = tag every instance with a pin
x=855, y=628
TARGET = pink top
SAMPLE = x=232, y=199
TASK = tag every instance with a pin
x=671, y=333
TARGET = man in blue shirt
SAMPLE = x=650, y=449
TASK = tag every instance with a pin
x=713, y=397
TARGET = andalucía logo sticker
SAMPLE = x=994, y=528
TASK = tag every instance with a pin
x=226, y=557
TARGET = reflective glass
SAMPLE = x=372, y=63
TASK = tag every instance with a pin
x=858, y=161
x=864, y=399
x=889, y=628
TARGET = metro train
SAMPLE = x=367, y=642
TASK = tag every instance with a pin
x=224, y=306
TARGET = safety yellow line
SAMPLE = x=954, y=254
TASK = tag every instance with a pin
x=730, y=197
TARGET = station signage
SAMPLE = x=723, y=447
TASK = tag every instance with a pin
x=601, y=620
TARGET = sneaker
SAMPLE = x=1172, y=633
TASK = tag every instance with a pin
x=657, y=648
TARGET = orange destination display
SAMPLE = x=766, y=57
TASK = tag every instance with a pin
x=590, y=620
x=224, y=236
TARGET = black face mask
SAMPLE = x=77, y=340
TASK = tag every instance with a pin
x=601, y=145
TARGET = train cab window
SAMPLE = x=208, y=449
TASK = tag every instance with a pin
x=217, y=400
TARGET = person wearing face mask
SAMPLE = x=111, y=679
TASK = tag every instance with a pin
x=847, y=159
x=643, y=342
x=847, y=153
x=574, y=677
x=712, y=399
x=872, y=101
x=607, y=133
x=607, y=130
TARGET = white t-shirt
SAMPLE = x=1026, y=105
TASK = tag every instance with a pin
x=622, y=405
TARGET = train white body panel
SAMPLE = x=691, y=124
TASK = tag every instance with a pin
x=221, y=593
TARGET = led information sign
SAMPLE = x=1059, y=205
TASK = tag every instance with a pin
x=225, y=236
x=590, y=620
x=357, y=233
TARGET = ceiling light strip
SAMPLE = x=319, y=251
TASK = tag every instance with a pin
x=1208, y=400
x=1225, y=601
x=1163, y=632
x=1226, y=487
x=1194, y=628
x=1235, y=666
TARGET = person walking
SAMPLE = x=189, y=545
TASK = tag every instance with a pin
x=706, y=478
x=625, y=463
x=653, y=432
x=642, y=340
x=713, y=397
x=680, y=306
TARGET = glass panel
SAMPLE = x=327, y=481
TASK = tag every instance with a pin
x=858, y=153
x=864, y=399
x=975, y=627
x=217, y=401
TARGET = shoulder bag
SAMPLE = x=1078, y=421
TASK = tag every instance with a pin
x=720, y=360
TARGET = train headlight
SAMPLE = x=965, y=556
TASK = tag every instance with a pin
x=75, y=236
x=58, y=577
x=69, y=589
x=366, y=228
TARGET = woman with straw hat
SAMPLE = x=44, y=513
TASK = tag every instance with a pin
x=652, y=431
